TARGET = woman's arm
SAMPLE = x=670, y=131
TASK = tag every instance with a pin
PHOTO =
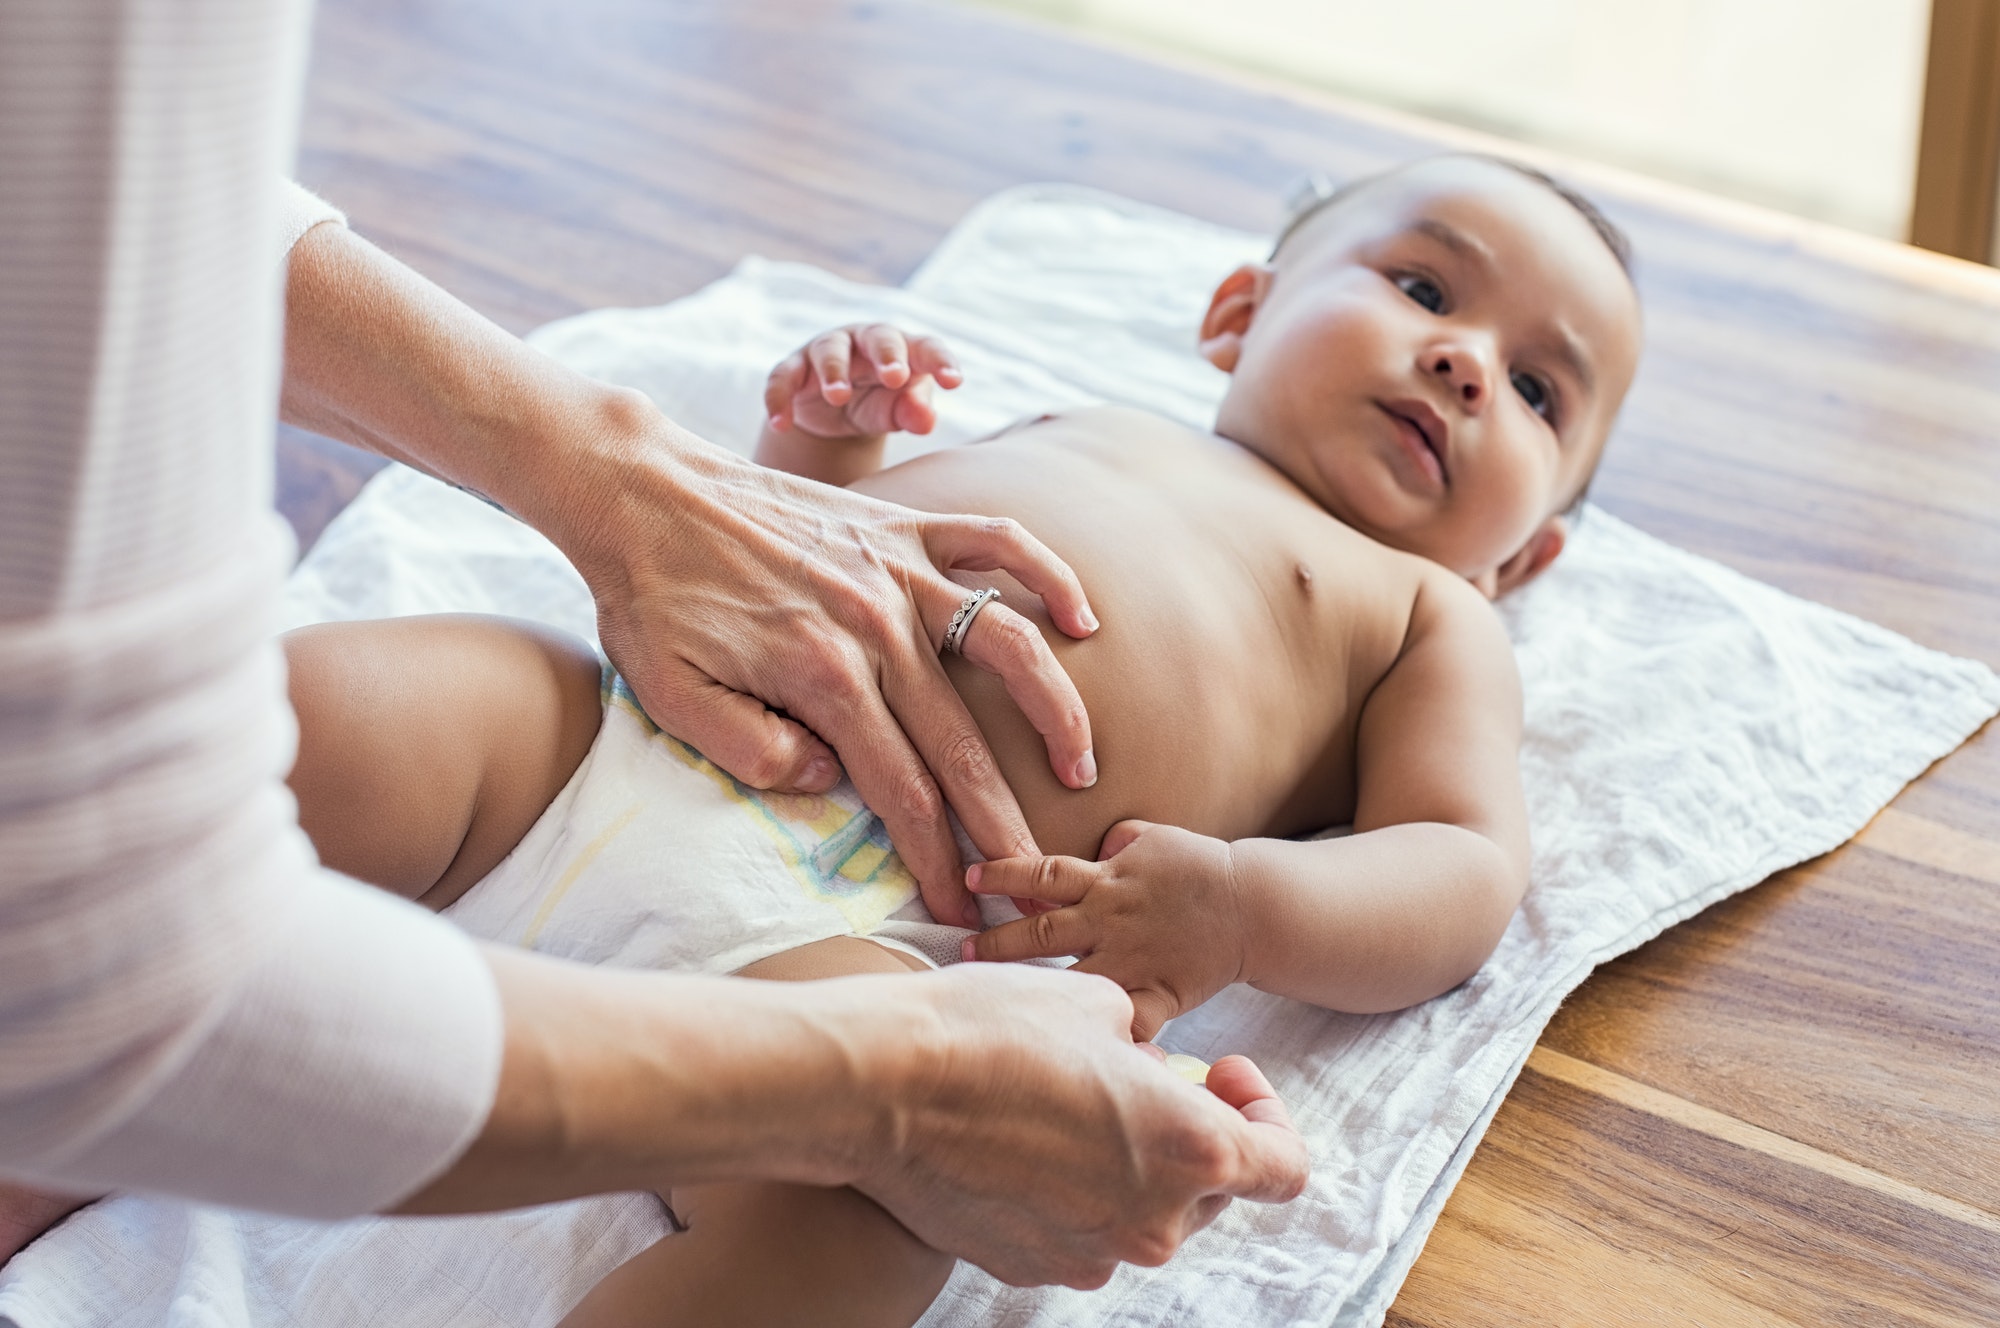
x=1000, y=1114
x=726, y=592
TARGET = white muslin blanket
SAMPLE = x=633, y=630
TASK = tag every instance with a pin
x=1689, y=732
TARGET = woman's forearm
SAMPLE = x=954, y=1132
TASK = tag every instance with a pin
x=1001, y=1114
x=377, y=356
x=616, y=1081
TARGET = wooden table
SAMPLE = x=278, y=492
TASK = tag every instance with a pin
x=1782, y=1112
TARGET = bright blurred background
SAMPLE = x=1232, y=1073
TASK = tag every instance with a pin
x=1809, y=106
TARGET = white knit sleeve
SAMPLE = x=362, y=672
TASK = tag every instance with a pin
x=188, y=1002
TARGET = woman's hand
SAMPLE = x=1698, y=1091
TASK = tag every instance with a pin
x=1159, y=913
x=770, y=621
x=788, y=630
x=1037, y=1141
x=1000, y=1112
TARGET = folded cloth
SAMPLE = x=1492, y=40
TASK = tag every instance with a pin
x=1689, y=732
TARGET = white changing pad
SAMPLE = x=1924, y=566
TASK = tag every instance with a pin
x=1689, y=732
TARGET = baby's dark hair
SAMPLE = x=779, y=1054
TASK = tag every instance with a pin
x=1318, y=194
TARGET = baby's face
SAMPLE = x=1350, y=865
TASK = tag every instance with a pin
x=1437, y=361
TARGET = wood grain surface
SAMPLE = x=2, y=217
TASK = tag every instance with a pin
x=1781, y=1112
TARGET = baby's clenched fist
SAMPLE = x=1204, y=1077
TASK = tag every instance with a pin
x=859, y=382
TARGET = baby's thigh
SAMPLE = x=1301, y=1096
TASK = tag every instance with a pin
x=771, y=1254
x=834, y=957
x=429, y=745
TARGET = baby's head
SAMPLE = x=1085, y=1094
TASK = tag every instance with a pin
x=1436, y=356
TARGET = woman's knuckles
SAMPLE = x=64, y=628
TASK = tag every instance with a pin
x=1016, y=646
x=915, y=796
x=966, y=761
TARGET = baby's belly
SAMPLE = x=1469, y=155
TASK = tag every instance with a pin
x=1184, y=721
x=1211, y=703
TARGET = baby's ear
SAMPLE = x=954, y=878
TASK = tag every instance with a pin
x=1532, y=560
x=1230, y=310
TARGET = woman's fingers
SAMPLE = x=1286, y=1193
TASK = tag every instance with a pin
x=826, y=607
x=1273, y=1163
x=1010, y=647
x=985, y=544
x=953, y=751
x=912, y=750
x=1065, y=931
x=739, y=733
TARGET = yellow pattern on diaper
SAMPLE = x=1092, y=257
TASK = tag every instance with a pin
x=837, y=850
x=570, y=874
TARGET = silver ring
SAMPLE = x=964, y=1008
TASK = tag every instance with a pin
x=961, y=622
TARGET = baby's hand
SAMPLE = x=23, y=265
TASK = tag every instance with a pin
x=860, y=381
x=1157, y=913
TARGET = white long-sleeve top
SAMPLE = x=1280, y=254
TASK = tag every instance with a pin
x=189, y=1003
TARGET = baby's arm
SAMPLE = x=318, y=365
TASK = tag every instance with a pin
x=1405, y=908
x=831, y=405
x=1413, y=902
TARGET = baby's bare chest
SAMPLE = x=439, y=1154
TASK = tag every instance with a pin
x=1242, y=630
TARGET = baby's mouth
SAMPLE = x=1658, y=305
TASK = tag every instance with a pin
x=1423, y=434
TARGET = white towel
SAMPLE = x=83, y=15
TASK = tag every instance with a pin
x=1689, y=732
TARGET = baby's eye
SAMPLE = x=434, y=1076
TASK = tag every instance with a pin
x=1535, y=392
x=1423, y=290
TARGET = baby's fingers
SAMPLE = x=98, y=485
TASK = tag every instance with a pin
x=1053, y=880
x=929, y=356
x=1065, y=931
x=912, y=411
x=831, y=356
x=1151, y=1008
x=788, y=377
x=887, y=350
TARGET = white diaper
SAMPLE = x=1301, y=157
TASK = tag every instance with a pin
x=653, y=857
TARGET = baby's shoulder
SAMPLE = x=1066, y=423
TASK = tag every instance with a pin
x=1397, y=605
x=1449, y=615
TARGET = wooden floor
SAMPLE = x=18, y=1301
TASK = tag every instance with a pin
x=1786, y=1111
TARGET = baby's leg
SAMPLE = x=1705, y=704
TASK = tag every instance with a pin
x=428, y=746
x=771, y=1254
x=26, y=1214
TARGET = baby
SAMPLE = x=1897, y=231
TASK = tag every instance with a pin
x=1296, y=635
x=1422, y=380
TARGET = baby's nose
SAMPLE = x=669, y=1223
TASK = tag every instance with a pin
x=1462, y=372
